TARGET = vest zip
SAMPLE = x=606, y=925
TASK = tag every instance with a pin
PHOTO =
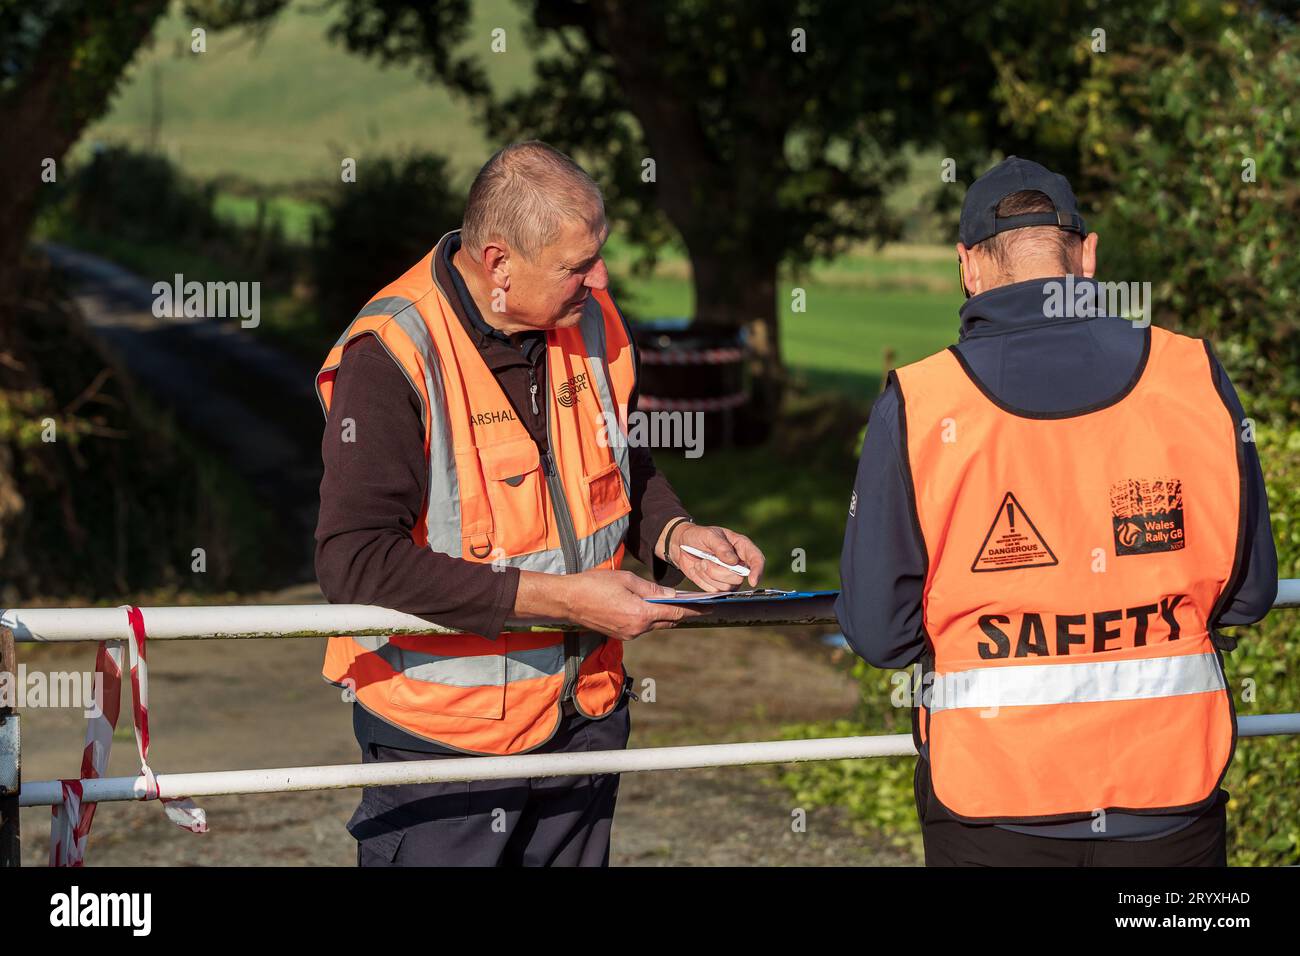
x=563, y=520
x=568, y=545
x=532, y=388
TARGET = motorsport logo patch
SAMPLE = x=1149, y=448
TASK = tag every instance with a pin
x=568, y=391
x=1147, y=515
x=1012, y=542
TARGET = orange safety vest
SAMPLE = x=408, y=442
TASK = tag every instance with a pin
x=494, y=499
x=1077, y=563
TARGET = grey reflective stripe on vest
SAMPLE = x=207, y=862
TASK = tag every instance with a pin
x=593, y=337
x=487, y=670
x=385, y=305
x=1036, y=685
x=484, y=670
x=594, y=549
x=442, y=516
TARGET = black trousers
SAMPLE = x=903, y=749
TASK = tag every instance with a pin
x=949, y=842
x=542, y=821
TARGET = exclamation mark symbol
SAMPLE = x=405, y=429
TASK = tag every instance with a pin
x=1011, y=516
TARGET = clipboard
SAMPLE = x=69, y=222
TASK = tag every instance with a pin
x=738, y=597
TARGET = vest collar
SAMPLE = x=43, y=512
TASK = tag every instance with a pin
x=485, y=338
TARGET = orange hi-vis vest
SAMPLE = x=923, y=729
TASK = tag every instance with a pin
x=1076, y=566
x=494, y=498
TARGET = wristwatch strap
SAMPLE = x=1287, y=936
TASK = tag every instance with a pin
x=668, y=538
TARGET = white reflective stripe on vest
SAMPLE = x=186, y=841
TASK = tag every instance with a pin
x=1034, y=685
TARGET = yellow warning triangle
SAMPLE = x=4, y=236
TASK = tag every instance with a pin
x=1013, y=541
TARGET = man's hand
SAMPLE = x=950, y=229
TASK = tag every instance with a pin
x=610, y=602
x=726, y=546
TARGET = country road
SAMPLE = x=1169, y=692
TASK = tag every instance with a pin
x=248, y=401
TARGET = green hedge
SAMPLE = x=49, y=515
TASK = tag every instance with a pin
x=1264, y=812
x=376, y=228
x=1204, y=203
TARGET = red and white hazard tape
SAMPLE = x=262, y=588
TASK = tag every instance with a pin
x=691, y=356
x=70, y=826
x=652, y=403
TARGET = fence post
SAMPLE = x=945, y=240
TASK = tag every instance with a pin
x=10, y=752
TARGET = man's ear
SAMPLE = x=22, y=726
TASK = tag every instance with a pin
x=1090, y=255
x=496, y=263
x=970, y=271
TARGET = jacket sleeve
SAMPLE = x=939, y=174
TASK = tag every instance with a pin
x=1256, y=586
x=883, y=564
x=373, y=493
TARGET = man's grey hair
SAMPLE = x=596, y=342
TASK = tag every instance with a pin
x=524, y=195
x=1049, y=242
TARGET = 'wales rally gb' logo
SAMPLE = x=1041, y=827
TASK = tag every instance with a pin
x=1147, y=515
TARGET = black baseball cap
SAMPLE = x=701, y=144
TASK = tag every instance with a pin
x=979, y=218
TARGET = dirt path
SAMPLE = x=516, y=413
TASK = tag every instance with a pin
x=225, y=705
x=250, y=402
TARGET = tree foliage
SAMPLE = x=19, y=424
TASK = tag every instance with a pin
x=392, y=212
x=1206, y=205
x=762, y=133
x=1181, y=139
x=59, y=63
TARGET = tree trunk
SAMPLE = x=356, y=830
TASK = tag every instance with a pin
x=66, y=85
x=735, y=293
x=57, y=89
x=706, y=197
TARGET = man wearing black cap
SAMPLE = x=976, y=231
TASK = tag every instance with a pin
x=1021, y=238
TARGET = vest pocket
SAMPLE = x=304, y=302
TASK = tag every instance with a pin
x=606, y=495
x=512, y=474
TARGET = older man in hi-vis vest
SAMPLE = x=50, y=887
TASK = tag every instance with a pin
x=474, y=473
x=1055, y=516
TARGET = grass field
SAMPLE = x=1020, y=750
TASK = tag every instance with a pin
x=856, y=308
x=288, y=106
x=281, y=108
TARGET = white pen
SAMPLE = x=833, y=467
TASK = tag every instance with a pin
x=734, y=568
